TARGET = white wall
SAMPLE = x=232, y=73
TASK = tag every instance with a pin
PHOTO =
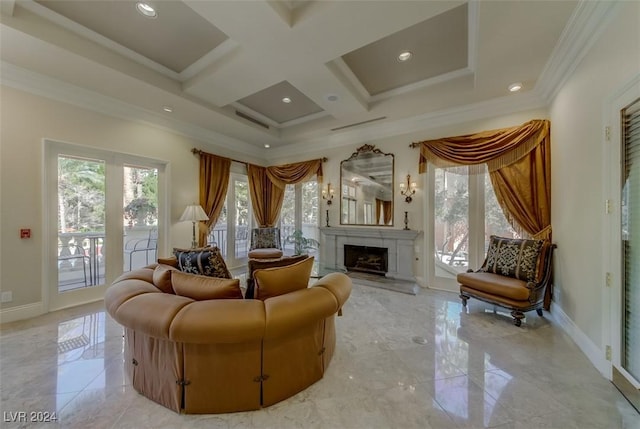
x=577, y=130
x=26, y=120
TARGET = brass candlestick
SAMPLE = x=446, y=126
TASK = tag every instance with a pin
x=327, y=217
x=406, y=220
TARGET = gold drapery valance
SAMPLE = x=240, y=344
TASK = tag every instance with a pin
x=519, y=164
x=496, y=148
x=289, y=174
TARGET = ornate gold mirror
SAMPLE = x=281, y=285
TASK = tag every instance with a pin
x=366, y=188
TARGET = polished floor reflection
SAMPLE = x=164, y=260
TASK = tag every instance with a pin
x=401, y=362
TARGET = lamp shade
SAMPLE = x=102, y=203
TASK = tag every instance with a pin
x=193, y=213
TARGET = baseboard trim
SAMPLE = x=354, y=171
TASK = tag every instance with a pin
x=21, y=312
x=594, y=353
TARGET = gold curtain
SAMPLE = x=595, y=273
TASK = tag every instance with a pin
x=379, y=209
x=267, y=186
x=519, y=164
x=266, y=197
x=289, y=174
x=387, y=211
x=496, y=148
x=214, y=179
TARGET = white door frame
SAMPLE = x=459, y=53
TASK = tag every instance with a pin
x=114, y=228
x=612, y=262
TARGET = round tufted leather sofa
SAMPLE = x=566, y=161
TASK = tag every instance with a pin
x=225, y=355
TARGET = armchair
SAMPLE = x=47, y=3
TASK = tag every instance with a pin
x=265, y=243
x=514, y=275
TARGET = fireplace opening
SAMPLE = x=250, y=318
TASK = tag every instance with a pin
x=366, y=259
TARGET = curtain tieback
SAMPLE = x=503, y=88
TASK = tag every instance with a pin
x=543, y=234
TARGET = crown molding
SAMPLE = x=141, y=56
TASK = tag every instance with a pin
x=509, y=104
x=44, y=86
x=585, y=26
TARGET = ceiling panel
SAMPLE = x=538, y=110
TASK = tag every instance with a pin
x=438, y=45
x=268, y=102
x=176, y=38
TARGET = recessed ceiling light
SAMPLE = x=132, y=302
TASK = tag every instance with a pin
x=146, y=9
x=332, y=97
x=286, y=100
x=167, y=109
x=405, y=56
x=267, y=146
x=515, y=87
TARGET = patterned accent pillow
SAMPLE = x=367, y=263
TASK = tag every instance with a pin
x=513, y=257
x=265, y=238
x=205, y=262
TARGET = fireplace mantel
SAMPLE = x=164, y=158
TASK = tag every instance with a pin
x=399, y=242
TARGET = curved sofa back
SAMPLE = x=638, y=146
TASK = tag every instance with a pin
x=225, y=355
x=134, y=302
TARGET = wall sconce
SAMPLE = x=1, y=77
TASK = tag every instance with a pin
x=327, y=194
x=408, y=189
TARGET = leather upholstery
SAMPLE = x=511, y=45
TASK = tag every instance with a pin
x=218, y=356
x=257, y=264
x=496, y=284
x=265, y=253
x=272, y=282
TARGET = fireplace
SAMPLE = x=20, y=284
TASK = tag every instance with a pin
x=366, y=259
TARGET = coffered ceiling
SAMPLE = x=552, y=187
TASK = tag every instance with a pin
x=286, y=73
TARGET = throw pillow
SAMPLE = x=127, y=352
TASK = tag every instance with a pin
x=206, y=261
x=513, y=257
x=171, y=260
x=202, y=288
x=278, y=281
x=162, y=277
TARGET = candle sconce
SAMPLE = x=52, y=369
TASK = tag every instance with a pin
x=408, y=189
x=327, y=194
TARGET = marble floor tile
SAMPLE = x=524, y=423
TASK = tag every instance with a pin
x=401, y=361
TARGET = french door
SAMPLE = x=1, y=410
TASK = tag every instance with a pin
x=624, y=243
x=464, y=213
x=102, y=214
x=232, y=231
x=300, y=212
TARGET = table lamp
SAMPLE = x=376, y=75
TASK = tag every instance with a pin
x=194, y=213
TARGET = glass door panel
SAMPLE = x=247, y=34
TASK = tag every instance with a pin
x=288, y=219
x=242, y=219
x=81, y=222
x=495, y=222
x=140, y=216
x=232, y=231
x=451, y=226
x=630, y=242
x=311, y=218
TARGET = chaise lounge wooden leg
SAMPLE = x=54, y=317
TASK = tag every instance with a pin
x=517, y=317
x=539, y=311
x=464, y=300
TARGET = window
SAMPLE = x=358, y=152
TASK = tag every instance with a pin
x=349, y=204
x=300, y=211
x=465, y=214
